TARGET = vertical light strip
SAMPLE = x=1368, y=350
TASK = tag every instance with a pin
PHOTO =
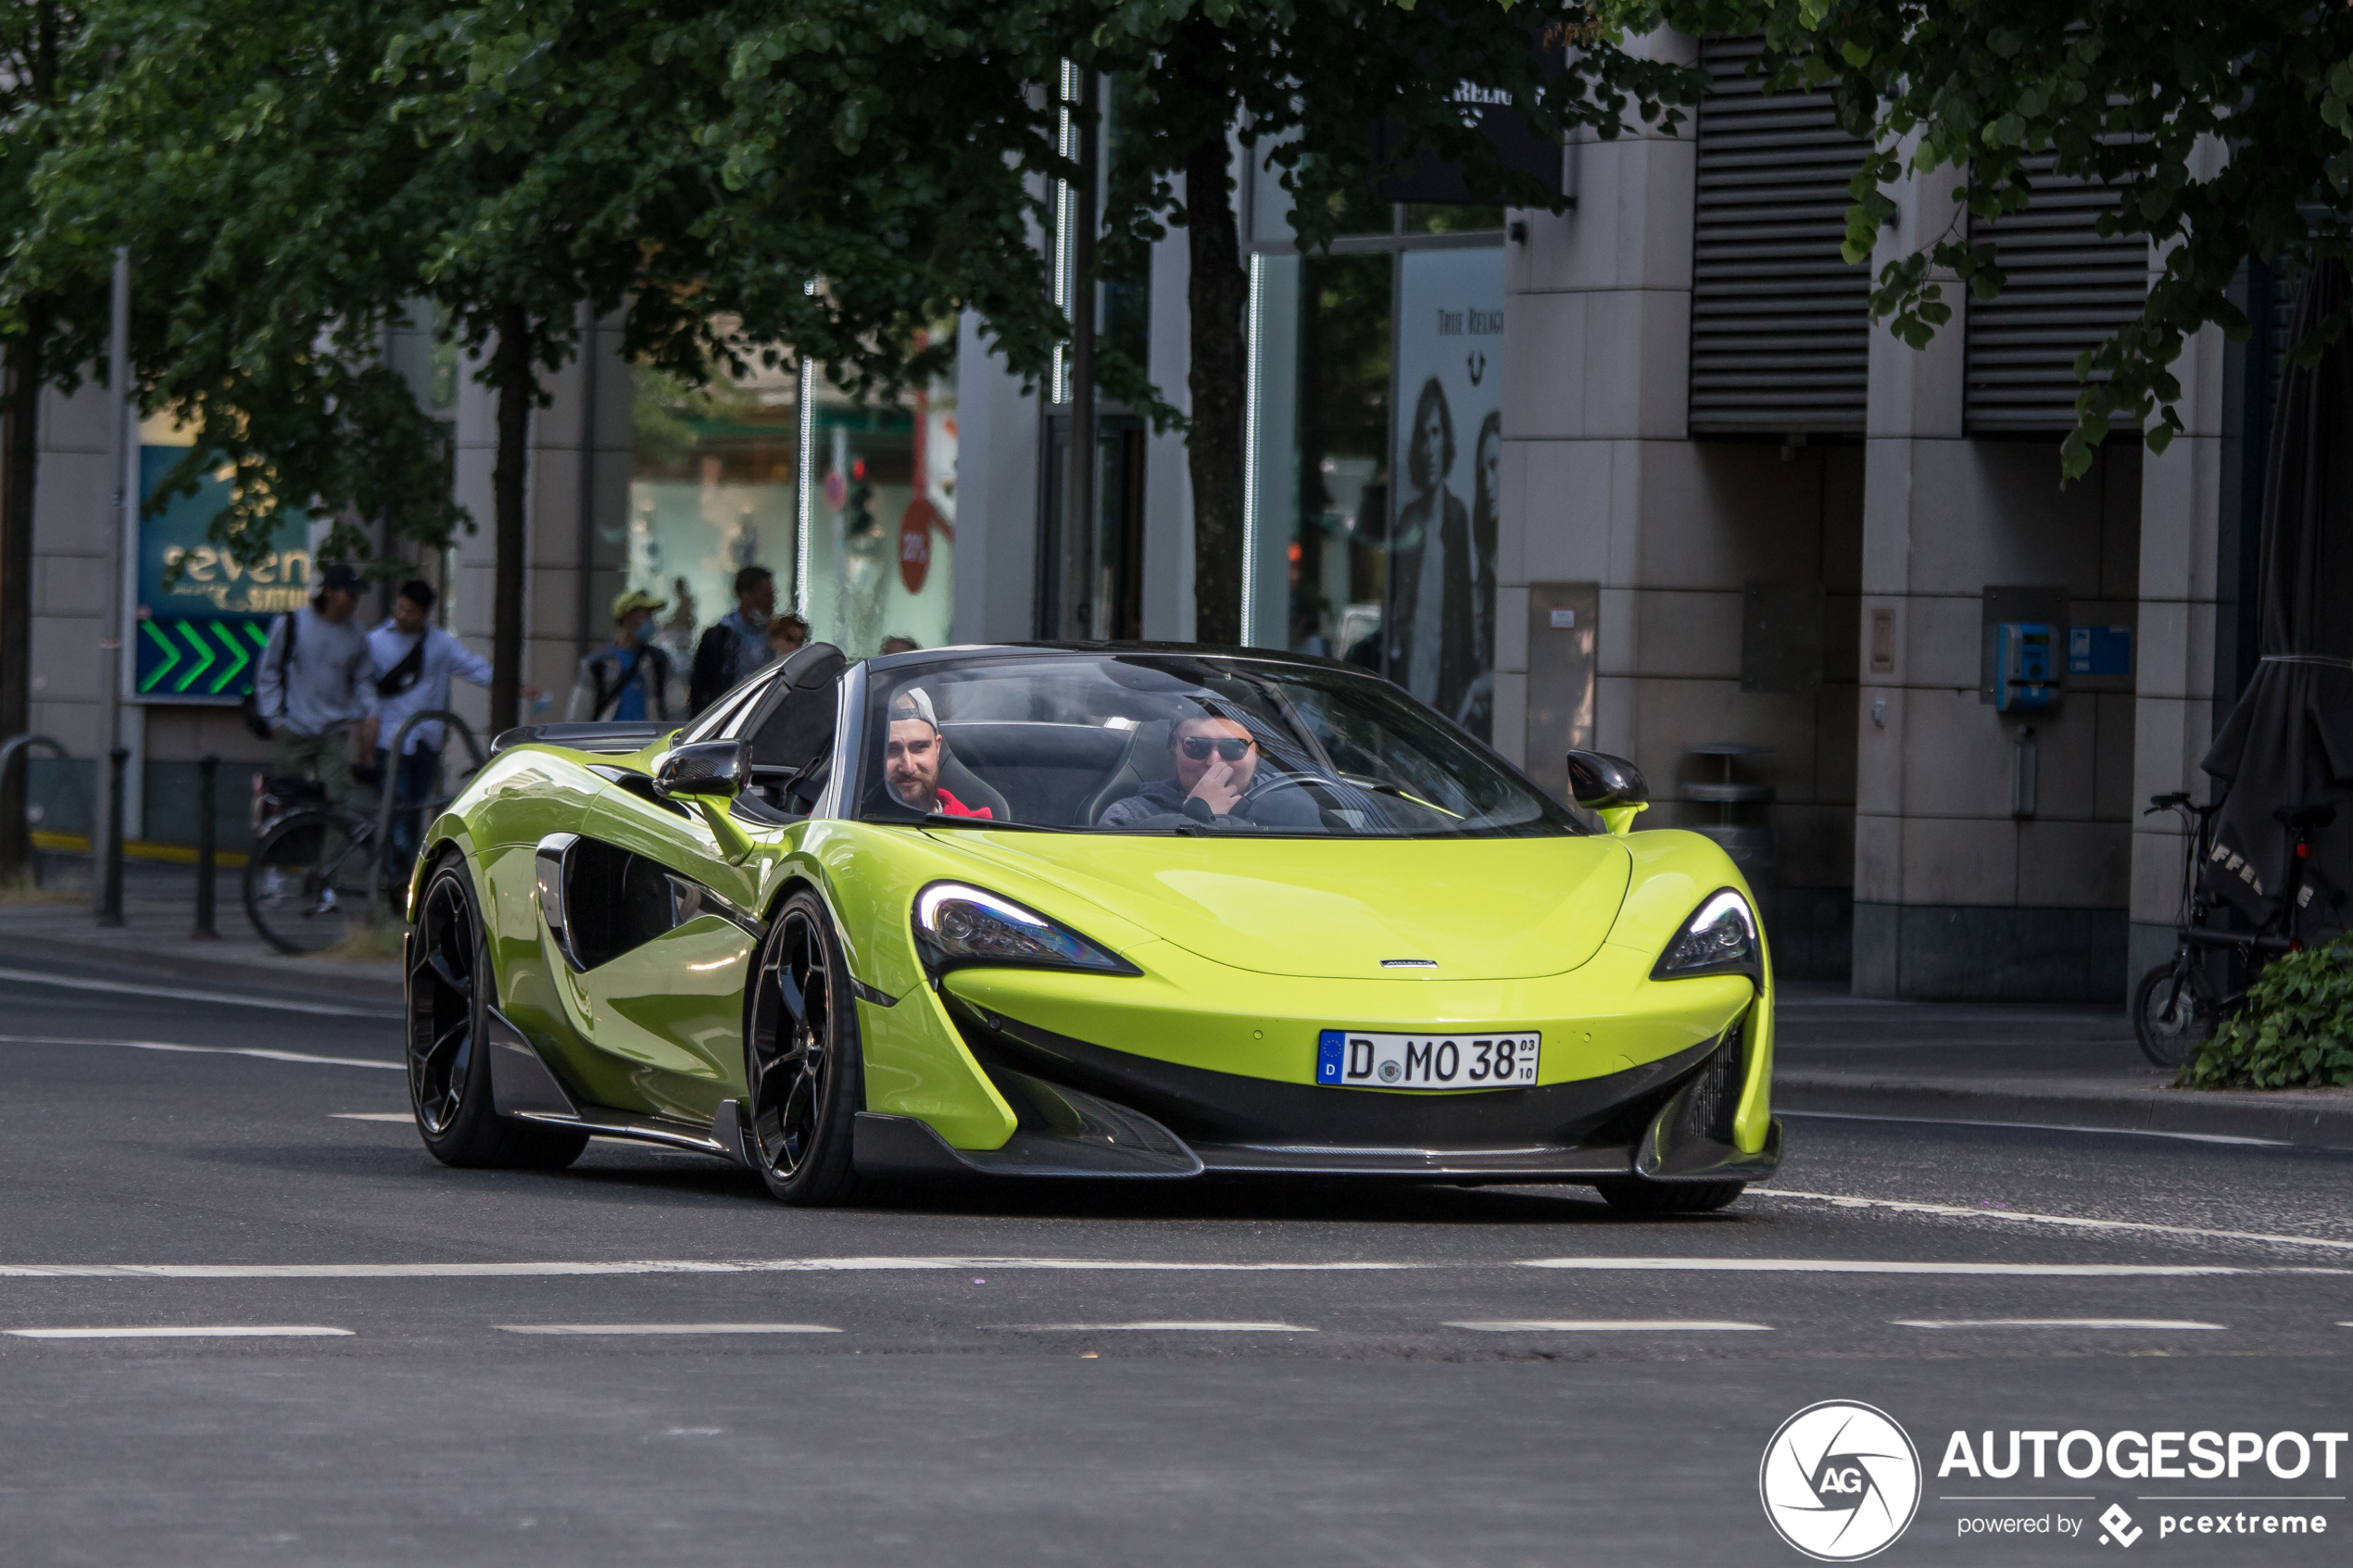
x=1251, y=352
x=1065, y=221
x=804, y=486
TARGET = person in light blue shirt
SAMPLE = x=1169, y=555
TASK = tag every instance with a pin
x=415, y=662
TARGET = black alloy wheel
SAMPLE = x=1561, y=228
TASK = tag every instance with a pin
x=2174, y=1013
x=801, y=1065
x=451, y=991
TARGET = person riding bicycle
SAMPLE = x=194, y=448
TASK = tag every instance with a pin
x=316, y=687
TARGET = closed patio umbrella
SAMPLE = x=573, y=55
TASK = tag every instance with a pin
x=2289, y=742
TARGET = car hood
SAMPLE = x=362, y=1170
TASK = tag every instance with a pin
x=1497, y=908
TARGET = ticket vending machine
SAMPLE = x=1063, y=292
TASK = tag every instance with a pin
x=2025, y=667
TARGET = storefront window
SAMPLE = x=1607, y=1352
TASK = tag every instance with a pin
x=716, y=487
x=712, y=492
x=1338, y=550
x=1375, y=456
x=882, y=515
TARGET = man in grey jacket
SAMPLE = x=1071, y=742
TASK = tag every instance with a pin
x=316, y=688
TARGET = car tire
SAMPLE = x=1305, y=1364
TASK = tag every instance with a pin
x=451, y=991
x=1633, y=1196
x=804, y=1078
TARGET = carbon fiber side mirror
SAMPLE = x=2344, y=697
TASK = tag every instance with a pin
x=720, y=768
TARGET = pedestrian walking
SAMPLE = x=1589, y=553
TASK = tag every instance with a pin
x=787, y=634
x=736, y=642
x=316, y=689
x=415, y=662
x=629, y=681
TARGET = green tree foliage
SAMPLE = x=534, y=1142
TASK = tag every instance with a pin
x=2228, y=124
x=222, y=146
x=2295, y=1032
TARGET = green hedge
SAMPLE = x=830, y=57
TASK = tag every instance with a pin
x=2296, y=1031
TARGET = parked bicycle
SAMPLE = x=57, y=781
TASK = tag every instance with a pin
x=309, y=877
x=316, y=867
x=2177, y=1006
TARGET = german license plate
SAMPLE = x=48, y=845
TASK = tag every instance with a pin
x=1427, y=1061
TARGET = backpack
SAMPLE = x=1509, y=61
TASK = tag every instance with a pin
x=250, y=706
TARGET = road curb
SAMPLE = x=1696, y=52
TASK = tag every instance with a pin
x=324, y=980
x=2318, y=1117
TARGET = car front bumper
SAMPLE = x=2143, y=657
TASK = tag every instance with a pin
x=1089, y=1110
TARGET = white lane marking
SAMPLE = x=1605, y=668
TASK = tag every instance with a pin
x=1104, y=1265
x=406, y=1118
x=2052, y=1322
x=1612, y=1326
x=568, y=1328
x=231, y=1331
x=177, y=994
x=204, y=1050
x=2035, y=1127
x=1156, y=1327
x=658, y=1266
x=1876, y=1266
x=1954, y=1211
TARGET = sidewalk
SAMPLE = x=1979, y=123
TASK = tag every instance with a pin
x=156, y=941
x=2046, y=1063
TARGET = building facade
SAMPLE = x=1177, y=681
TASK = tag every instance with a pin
x=1672, y=495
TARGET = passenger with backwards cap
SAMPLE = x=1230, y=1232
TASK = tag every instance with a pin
x=911, y=756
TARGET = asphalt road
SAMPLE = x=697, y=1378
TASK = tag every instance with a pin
x=1135, y=1375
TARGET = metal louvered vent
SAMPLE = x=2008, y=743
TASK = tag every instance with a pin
x=2069, y=289
x=1781, y=336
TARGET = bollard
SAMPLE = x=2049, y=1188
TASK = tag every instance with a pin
x=207, y=770
x=111, y=910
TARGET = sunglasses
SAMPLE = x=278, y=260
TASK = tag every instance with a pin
x=1199, y=746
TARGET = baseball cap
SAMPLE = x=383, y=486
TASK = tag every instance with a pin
x=337, y=574
x=913, y=702
x=635, y=598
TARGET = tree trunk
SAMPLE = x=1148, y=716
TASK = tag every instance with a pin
x=19, y=462
x=518, y=390
x=1217, y=290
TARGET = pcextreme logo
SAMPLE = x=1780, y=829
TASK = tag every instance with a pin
x=1840, y=1481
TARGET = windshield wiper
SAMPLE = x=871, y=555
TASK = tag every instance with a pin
x=942, y=820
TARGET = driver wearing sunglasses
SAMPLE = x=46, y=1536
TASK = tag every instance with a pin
x=1216, y=766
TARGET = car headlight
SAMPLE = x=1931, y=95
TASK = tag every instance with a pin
x=1719, y=939
x=958, y=926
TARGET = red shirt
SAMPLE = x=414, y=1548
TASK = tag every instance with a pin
x=951, y=806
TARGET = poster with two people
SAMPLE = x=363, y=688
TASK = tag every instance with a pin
x=1447, y=462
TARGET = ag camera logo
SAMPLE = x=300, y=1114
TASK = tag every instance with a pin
x=1840, y=1481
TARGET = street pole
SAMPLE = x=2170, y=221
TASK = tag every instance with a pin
x=121, y=451
x=1078, y=507
x=207, y=787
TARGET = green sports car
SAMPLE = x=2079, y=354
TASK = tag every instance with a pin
x=1101, y=910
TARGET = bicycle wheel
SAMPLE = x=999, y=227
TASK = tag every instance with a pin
x=2173, y=1018
x=307, y=880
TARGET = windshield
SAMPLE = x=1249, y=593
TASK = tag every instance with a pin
x=1173, y=743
